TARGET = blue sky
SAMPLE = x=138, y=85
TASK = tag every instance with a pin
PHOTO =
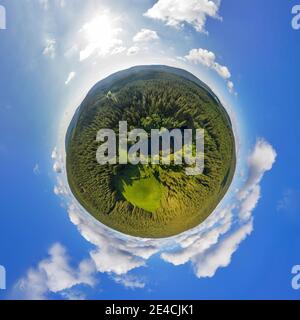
x=49, y=58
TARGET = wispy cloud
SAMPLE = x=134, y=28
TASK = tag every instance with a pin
x=36, y=169
x=71, y=76
x=46, y=3
x=130, y=281
x=50, y=48
x=230, y=86
x=133, y=51
x=289, y=201
x=118, y=50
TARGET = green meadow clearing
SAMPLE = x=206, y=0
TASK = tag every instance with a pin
x=141, y=188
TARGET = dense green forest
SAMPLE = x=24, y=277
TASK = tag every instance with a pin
x=150, y=200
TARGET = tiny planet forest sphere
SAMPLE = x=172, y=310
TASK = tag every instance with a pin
x=150, y=199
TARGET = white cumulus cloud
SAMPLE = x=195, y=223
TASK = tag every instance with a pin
x=54, y=275
x=177, y=12
x=208, y=59
x=145, y=35
x=260, y=161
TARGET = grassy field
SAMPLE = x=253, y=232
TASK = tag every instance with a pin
x=139, y=187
